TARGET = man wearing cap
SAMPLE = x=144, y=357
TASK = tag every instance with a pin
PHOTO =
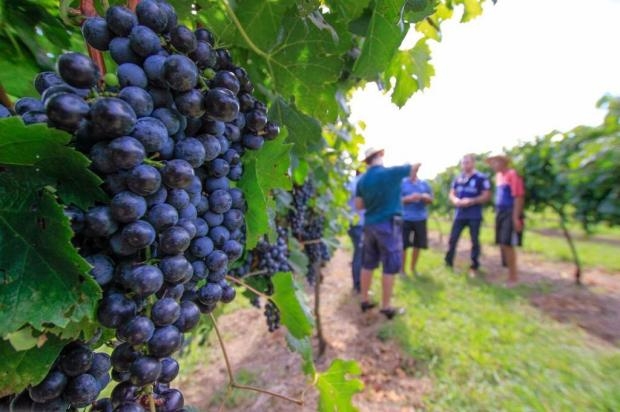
x=378, y=192
x=470, y=190
x=509, y=202
x=415, y=194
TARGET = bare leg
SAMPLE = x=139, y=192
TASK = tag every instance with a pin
x=511, y=261
x=388, y=287
x=366, y=280
x=414, y=259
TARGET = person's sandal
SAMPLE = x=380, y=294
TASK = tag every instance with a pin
x=390, y=313
x=366, y=306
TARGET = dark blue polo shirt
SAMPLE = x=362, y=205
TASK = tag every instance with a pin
x=471, y=187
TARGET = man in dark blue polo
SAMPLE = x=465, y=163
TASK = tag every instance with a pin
x=470, y=190
x=378, y=192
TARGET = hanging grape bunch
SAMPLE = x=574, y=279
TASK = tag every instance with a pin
x=307, y=226
x=167, y=135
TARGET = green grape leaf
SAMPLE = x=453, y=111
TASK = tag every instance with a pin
x=43, y=280
x=263, y=18
x=45, y=153
x=264, y=170
x=17, y=82
x=383, y=37
x=290, y=299
x=304, y=132
x=348, y=9
x=298, y=258
x=418, y=10
x=336, y=390
x=411, y=71
x=303, y=347
x=473, y=9
x=22, y=368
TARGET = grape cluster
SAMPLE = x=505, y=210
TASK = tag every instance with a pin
x=167, y=141
x=272, y=315
x=307, y=226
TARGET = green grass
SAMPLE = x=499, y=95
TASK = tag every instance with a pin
x=592, y=254
x=487, y=349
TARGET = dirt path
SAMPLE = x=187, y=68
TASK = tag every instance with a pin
x=389, y=375
x=594, y=306
x=392, y=384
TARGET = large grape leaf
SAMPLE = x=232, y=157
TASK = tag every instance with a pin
x=22, y=368
x=44, y=152
x=383, y=37
x=290, y=299
x=304, y=132
x=264, y=170
x=348, y=9
x=303, y=347
x=336, y=390
x=43, y=280
x=410, y=70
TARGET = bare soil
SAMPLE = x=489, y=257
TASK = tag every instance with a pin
x=394, y=382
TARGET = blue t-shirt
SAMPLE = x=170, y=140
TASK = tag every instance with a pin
x=352, y=187
x=414, y=211
x=379, y=187
x=471, y=187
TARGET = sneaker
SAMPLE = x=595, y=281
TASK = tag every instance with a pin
x=473, y=273
x=366, y=306
x=390, y=313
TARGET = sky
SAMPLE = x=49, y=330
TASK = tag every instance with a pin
x=522, y=69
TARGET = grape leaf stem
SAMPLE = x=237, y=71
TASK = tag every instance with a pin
x=243, y=33
x=231, y=377
x=245, y=285
x=4, y=98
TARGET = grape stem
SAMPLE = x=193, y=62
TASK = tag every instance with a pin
x=317, y=309
x=132, y=4
x=231, y=376
x=4, y=98
x=245, y=285
x=310, y=242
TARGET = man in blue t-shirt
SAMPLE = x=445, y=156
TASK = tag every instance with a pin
x=470, y=190
x=378, y=192
x=415, y=194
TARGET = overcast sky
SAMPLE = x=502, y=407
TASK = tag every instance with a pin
x=524, y=68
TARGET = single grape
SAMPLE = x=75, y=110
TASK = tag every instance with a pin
x=190, y=103
x=49, y=388
x=151, y=132
x=169, y=370
x=144, y=370
x=139, y=99
x=218, y=167
x=176, y=269
x=253, y=141
x=114, y=309
x=139, y=234
x=33, y=117
x=103, y=268
x=180, y=73
x=190, y=150
x=202, y=228
x=96, y=33
x=126, y=152
x=219, y=235
x=165, y=341
x=127, y=207
x=221, y=104
x=156, y=198
x=82, y=390
x=211, y=144
x=228, y=294
x=201, y=247
x=77, y=70
x=210, y=293
x=188, y=224
x=152, y=15
x=153, y=68
x=101, y=365
x=137, y=331
x=66, y=111
x=177, y=173
x=162, y=97
x=174, y=240
x=233, y=249
x=183, y=39
x=217, y=261
x=227, y=80
x=99, y=222
x=120, y=20
x=120, y=247
x=170, y=118
x=113, y=117
x=165, y=312
x=162, y=216
x=204, y=55
x=28, y=104
x=144, y=280
x=144, y=180
x=144, y=41
x=220, y=201
x=213, y=219
x=45, y=80
x=203, y=34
